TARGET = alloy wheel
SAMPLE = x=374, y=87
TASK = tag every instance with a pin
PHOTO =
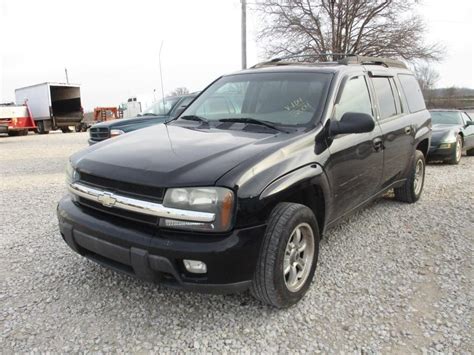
x=298, y=259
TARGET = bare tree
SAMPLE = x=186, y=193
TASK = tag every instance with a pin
x=365, y=27
x=427, y=77
x=179, y=91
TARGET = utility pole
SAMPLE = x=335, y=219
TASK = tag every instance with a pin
x=161, y=76
x=244, y=33
x=67, y=78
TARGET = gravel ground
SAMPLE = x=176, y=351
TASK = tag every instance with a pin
x=393, y=278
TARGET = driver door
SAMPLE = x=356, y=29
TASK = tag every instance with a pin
x=355, y=165
x=468, y=131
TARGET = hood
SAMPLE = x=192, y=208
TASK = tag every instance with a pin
x=123, y=122
x=444, y=132
x=172, y=155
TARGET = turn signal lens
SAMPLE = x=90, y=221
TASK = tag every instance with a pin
x=116, y=132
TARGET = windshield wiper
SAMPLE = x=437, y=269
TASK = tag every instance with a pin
x=148, y=114
x=252, y=121
x=194, y=118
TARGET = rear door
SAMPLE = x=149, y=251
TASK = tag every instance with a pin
x=396, y=124
x=355, y=164
x=66, y=106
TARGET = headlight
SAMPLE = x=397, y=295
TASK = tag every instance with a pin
x=116, y=132
x=445, y=145
x=217, y=200
x=71, y=174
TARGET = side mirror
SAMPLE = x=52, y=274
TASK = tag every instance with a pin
x=352, y=122
x=469, y=123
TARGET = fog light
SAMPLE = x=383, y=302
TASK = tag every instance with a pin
x=195, y=266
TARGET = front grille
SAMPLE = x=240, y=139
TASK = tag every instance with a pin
x=133, y=216
x=99, y=133
x=142, y=192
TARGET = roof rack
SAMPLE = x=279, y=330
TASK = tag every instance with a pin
x=360, y=59
x=347, y=60
x=282, y=60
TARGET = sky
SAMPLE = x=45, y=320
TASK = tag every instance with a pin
x=112, y=48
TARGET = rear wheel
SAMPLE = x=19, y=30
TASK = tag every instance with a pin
x=288, y=256
x=411, y=190
x=40, y=128
x=65, y=129
x=457, y=152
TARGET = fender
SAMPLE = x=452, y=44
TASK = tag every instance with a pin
x=291, y=179
x=422, y=133
x=309, y=181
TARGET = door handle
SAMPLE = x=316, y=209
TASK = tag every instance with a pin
x=407, y=130
x=378, y=144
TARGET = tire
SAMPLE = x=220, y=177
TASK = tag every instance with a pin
x=271, y=284
x=470, y=152
x=78, y=128
x=411, y=190
x=40, y=128
x=457, y=153
x=65, y=129
x=21, y=132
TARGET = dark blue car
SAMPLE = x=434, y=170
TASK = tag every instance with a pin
x=453, y=132
x=159, y=112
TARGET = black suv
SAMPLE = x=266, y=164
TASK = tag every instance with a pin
x=237, y=191
x=157, y=113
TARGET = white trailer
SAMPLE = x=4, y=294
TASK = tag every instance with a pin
x=53, y=105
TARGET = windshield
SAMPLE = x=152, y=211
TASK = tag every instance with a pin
x=278, y=98
x=446, y=117
x=161, y=107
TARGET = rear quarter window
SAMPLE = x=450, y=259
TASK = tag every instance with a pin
x=412, y=92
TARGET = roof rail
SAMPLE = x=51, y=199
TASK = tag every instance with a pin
x=359, y=59
x=281, y=60
x=347, y=59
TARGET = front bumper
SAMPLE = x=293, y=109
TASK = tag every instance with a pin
x=157, y=255
x=436, y=153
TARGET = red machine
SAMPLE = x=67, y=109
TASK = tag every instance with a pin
x=16, y=120
x=107, y=113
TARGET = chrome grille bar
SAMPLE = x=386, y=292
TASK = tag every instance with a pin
x=109, y=199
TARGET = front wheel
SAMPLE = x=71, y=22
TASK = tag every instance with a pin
x=457, y=152
x=411, y=190
x=288, y=256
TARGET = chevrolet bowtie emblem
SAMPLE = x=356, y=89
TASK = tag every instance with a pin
x=106, y=199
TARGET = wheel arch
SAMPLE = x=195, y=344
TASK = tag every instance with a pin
x=307, y=185
x=424, y=146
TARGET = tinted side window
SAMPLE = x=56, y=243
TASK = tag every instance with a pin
x=385, y=97
x=396, y=95
x=412, y=92
x=354, y=98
